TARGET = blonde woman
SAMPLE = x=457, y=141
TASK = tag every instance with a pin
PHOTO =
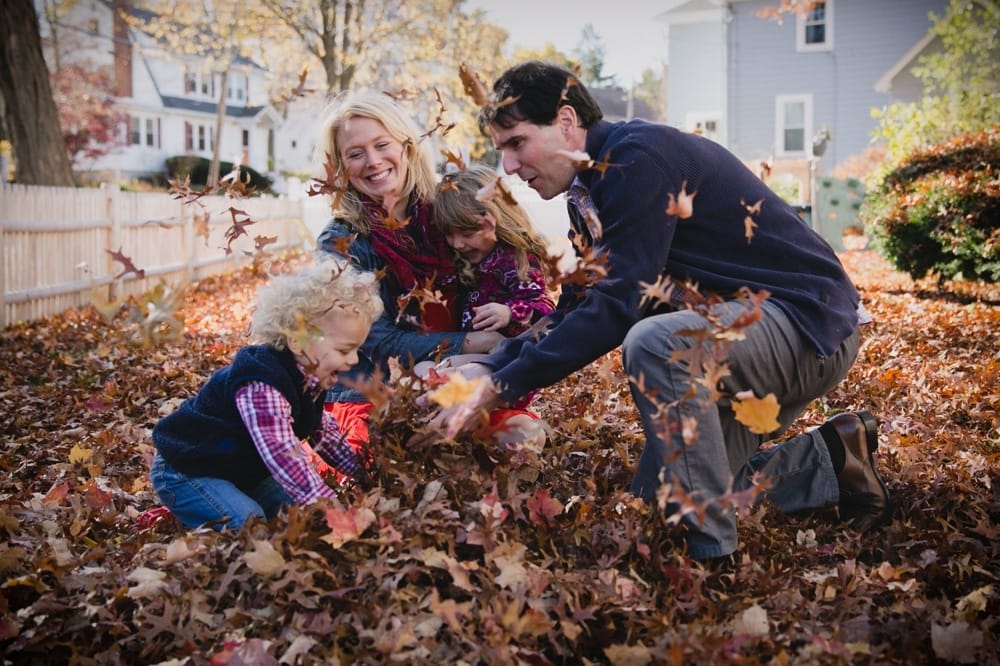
x=383, y=194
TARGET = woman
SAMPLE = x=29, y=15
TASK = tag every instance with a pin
x=382, y=207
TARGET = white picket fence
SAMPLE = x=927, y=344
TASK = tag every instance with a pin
x=56, y=243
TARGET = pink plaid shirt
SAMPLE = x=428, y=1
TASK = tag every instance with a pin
x=268, y=418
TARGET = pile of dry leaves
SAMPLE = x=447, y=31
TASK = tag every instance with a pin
x=469, y=554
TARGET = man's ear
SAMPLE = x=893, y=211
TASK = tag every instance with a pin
x=566, y=118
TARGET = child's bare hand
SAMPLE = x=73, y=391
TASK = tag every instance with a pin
x=491, y=317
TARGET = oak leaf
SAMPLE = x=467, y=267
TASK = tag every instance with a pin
x=347, y=525
x=264, y=560
x=760, y=415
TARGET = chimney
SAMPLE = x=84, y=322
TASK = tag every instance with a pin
x=122, y=48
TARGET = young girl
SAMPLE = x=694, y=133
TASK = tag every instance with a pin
x=498, y=257
x=497, y=254
x=234, y=450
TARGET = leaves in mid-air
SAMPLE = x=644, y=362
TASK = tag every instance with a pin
x=681, y=205
x=126, y=262
x=760, y=415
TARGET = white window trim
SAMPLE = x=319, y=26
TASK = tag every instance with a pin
x=800, y=33
x=779, y=125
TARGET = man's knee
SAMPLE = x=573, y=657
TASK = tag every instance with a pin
x=652, y=340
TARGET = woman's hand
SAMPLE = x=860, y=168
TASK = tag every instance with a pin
x=481, y=342
x=491, y=317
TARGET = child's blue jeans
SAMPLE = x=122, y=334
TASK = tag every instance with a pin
x=196, y=500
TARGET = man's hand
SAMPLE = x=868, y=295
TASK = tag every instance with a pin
x=456, y=418
x=491, y=317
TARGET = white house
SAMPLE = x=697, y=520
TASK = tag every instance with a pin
x=170, y=99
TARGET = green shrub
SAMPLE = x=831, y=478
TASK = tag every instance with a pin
x=196, y=168
x=939, y=210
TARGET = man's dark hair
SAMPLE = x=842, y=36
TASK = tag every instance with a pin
x=534, y=91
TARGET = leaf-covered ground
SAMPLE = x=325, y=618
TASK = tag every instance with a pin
x=469, y=554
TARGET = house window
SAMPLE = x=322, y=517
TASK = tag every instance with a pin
x=198, y=137
x=190, y=83
x=793, y=123
x=134, y=130
x=236, y=90
x=814, y=30
x=142, y=131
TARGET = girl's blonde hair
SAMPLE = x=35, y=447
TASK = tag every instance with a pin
x=289, y=305
x=420, y=181
x=457, y=209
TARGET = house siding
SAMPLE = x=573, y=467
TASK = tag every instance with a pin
x=869, y=36
x=697, y=67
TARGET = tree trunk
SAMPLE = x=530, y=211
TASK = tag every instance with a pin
x=220, y=115
x=31, y=115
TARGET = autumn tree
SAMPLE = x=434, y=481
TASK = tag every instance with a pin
x=29, y=112
x=83, y=90
x=411, y=49
x=444, y=36
x=548, y=53
x=341, y=35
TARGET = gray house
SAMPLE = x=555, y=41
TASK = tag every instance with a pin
x=766, y=89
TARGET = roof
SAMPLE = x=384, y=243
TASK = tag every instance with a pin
x=614, y=104
x=209, y=107
x=885, y=81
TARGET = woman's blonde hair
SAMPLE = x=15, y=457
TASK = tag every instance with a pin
x=420, y=181
x=458, y=208
x=289, y=305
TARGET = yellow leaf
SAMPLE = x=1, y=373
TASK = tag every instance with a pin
x=758, y=414
x=78, y=454
x=456, y=390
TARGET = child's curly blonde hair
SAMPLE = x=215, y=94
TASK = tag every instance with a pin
x=289, y=305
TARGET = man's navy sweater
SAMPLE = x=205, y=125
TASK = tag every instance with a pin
x=710, y=248
x=207, y=437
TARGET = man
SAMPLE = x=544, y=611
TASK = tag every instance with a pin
x=662, y=204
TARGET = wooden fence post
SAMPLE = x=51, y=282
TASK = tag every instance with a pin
x=188, y=237
x=4, y=188
x=114, y=234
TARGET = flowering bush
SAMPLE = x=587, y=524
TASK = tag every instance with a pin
x=939, y=210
